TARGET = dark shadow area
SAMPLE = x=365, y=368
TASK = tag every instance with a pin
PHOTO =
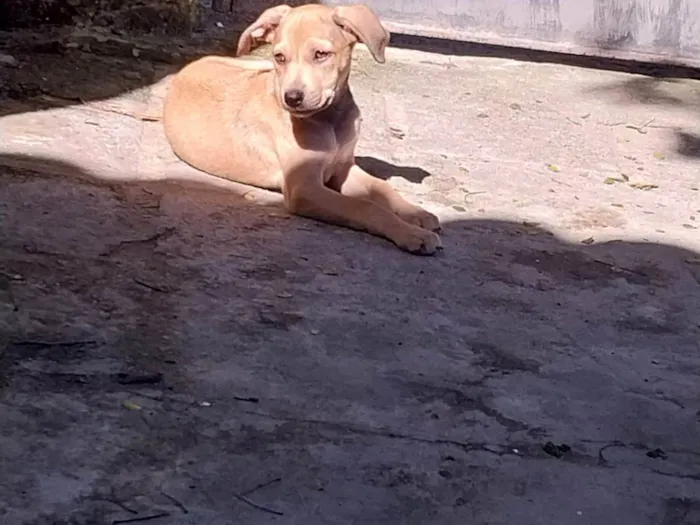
x=68, y=77
x=662, y=92
x=647, y=91
x=452, y=47
x=61, y=72
x=385, y=170
x=688, y=144
x=148, y=324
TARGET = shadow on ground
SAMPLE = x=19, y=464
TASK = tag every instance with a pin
x=672, y=93
x=53, y=70
x=452, y=47
x=169, y=349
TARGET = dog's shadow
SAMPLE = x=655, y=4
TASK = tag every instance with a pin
x=385, y=170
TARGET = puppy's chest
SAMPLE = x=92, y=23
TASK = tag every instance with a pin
x=342, y=142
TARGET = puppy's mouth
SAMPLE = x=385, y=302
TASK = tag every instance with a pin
x=308, y=112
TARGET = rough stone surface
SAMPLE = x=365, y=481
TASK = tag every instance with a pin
x=176, y=345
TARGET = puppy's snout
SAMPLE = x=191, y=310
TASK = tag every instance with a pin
x=293, y=98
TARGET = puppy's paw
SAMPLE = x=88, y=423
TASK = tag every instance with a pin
x=419, y=241
x=421, y=218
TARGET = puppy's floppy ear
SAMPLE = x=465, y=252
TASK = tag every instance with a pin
x=262, y=29
x=361, y=22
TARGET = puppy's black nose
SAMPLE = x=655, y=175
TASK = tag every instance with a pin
x=293, y=98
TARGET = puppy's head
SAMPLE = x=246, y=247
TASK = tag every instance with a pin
x=312, y=50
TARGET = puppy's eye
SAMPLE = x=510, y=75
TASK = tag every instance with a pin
x=280, y=58
x=320, y=56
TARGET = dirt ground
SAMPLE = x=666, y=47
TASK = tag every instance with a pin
x=176, y=349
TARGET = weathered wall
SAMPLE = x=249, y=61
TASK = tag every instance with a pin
x=659, y=29
x=122, y=16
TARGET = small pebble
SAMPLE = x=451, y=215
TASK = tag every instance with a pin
x=8, y=61
x=657, y=453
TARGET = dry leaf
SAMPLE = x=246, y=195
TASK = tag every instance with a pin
x=590, y=240
x=396, y=132
x=613, y=180
x=131, y=406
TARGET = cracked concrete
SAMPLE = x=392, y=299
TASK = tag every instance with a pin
x=177, y=348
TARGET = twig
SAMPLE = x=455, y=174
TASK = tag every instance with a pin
x=640, y=129
x=695, y=477
x=621, y=268
x=139, y=379
x=119, y=504
x=138, y=116
x=153, y=287
x=52, y=344
x=246, y=399
x=11, y=276
x=261, y=486
x=175, y=502
x=142, y=518
x=256, y=506
x=611, y=124
x=561, y=182
x=50, y=97
x=145, y=396
x=156, y=236
x=601, y=458
x=573, y=121
x=38, y=251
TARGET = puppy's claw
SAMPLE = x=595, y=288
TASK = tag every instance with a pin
x=419, y=241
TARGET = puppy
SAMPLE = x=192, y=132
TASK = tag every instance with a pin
x=291, y=124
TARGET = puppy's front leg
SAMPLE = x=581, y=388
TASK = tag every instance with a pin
x=360, y=184
x=310, y=198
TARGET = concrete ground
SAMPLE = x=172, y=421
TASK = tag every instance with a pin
x=176, y=349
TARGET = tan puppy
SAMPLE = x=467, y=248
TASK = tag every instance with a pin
x=292, y=124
